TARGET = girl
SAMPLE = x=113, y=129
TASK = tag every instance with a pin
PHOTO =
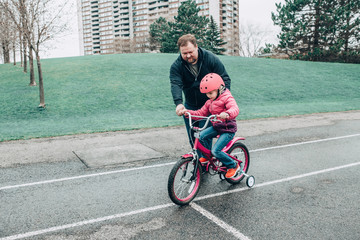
x=223, y=104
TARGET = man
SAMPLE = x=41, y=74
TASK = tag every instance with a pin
x=186, y=74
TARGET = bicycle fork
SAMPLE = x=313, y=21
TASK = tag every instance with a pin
x=192, y=179
x=193, y=172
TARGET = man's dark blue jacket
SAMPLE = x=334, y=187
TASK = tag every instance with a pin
x=182, y=79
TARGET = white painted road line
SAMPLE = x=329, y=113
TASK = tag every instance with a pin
x=161, y=165
x=307, y=142
x=279, y=181
x=219, y=222
x=91, y=221
x=83, y=176
x=158, y=207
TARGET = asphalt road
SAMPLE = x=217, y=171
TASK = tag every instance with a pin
x=307, y=187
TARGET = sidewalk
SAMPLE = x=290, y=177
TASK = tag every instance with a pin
x=114, y=148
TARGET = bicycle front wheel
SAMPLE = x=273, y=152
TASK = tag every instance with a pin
x=184, y=181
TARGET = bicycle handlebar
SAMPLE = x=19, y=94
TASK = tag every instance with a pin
x=212, y=118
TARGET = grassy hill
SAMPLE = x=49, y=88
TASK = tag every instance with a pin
x=130, y=91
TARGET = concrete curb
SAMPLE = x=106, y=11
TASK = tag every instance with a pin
x=109, y=148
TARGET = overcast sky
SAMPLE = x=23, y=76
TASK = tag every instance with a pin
x=256, y=12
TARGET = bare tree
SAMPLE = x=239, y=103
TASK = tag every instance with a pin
x=5, y=40
x=22, y=24
x=23, y=46
x=39, y=21
x=13, y=36
x=252, y=38
x=29, y=52
x=6, y=50
x=14, y=45
x=22, y=50
x=124, y=45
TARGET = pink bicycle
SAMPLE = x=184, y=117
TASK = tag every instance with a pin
x=186, y=175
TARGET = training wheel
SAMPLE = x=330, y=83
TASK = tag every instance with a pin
x=250, y=181
x=222, y=176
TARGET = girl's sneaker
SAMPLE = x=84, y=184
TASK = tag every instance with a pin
x=232, y=171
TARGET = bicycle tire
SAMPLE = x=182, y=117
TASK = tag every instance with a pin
x=239, y=151
x=181, y=188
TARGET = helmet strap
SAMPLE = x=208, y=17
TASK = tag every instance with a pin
x=218, y=94
x=222, y=89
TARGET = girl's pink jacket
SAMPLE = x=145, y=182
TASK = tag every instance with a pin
x=224, y=103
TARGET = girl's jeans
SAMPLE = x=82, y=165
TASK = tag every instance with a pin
x=224, y=139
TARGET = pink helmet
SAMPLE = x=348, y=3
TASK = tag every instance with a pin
x=210, y=82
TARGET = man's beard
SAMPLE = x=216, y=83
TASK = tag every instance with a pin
x=193, y=61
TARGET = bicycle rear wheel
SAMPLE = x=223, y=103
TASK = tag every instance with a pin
x=241, y=153
x=183, y=184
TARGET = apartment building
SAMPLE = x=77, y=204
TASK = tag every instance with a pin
x=121, y=26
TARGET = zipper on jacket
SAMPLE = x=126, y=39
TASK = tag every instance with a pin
x=196, y=101
x=195, y=79
x=186, y=66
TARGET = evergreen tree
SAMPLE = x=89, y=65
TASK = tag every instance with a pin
x=318, y=29
x=166, y=34
x=213, y=41
x=169, y=39
x=157, y=29
x=187, y=21
x=348, y=29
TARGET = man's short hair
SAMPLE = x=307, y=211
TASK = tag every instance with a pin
x=185, y=39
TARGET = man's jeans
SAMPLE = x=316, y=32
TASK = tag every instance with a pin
x=224, y=139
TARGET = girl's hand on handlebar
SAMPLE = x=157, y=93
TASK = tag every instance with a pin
x=223, y=115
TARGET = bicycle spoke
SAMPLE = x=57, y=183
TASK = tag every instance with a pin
x=184, y=182
x=180, y=189
x=238, y=154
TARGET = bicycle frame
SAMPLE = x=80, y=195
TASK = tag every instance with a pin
x=206, y=152
x=185, y=177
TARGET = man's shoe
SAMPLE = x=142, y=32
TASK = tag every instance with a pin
x=203, y=160
x=232, y=171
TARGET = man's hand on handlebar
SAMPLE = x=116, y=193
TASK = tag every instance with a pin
x=184, y=112
x=180, y=110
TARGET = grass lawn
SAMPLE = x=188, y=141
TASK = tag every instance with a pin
x=130, y=91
